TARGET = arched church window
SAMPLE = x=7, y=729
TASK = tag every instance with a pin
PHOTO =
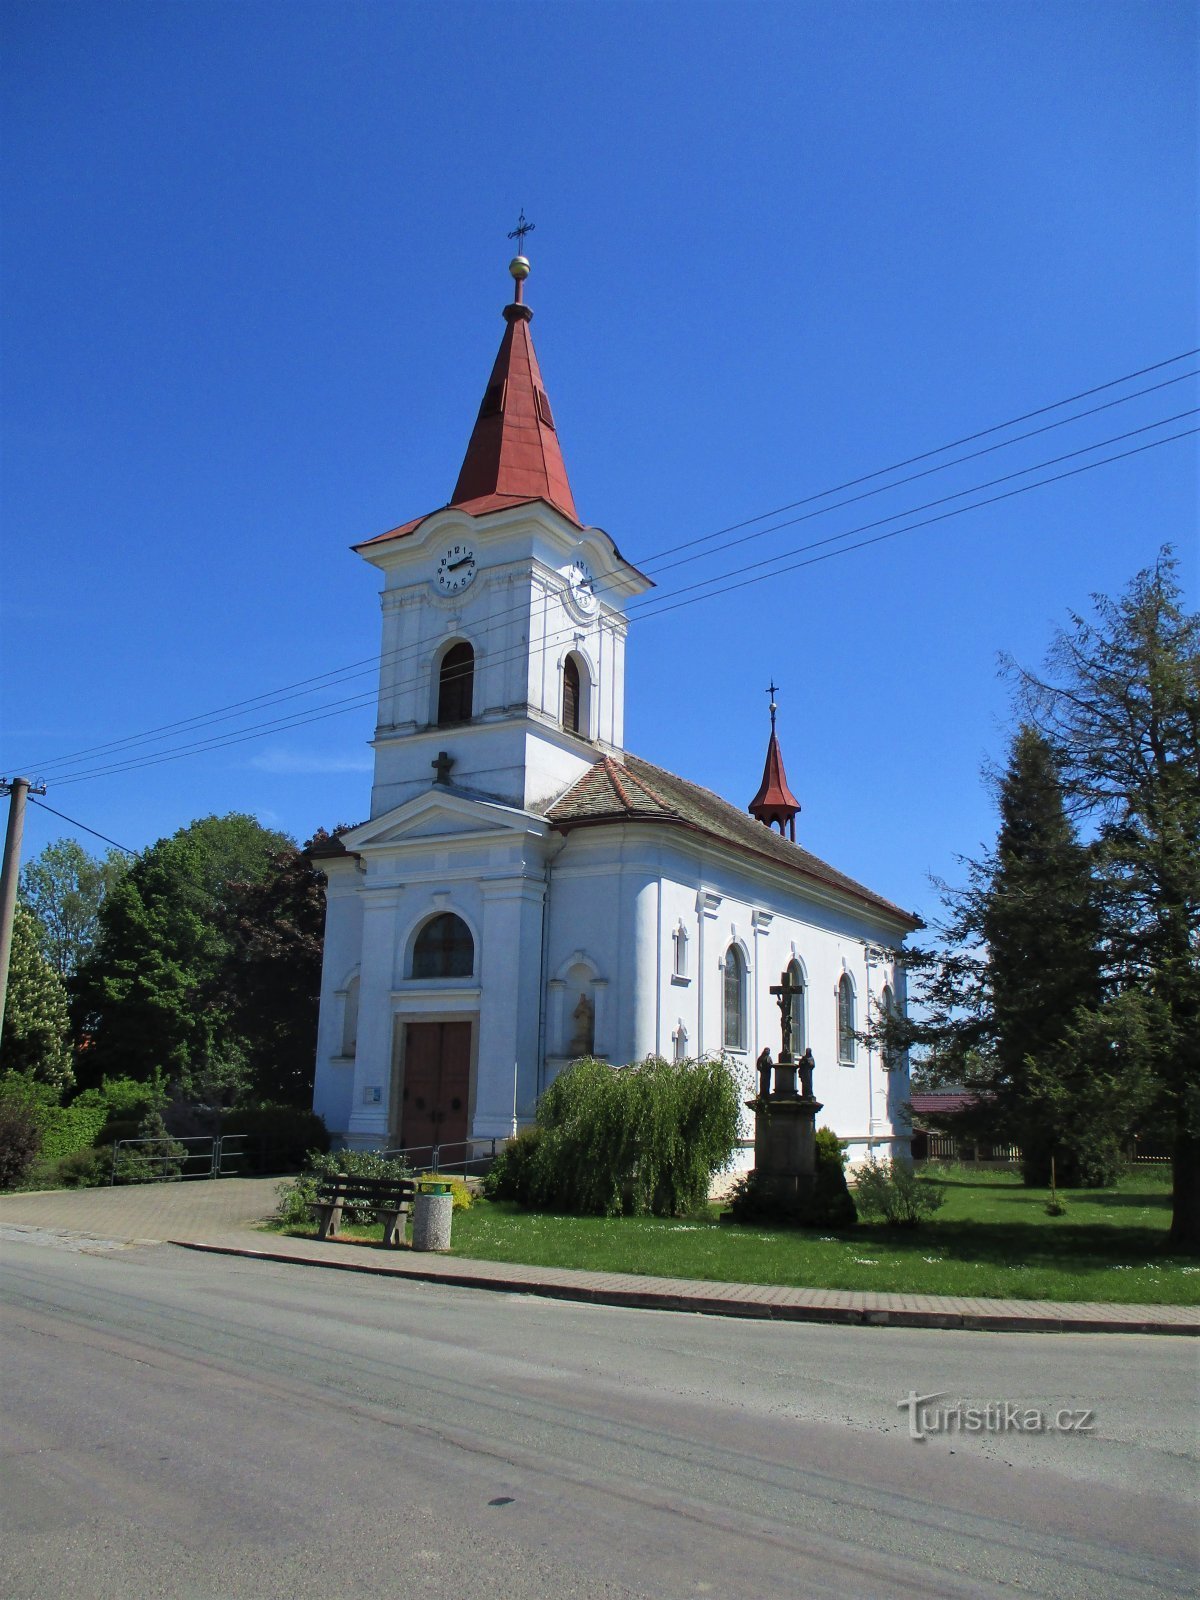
x=847, y=1043
x=796, y=982
x=456, y=685
x=444, y=949
x=887, y=1005
x=570, y=715
x=350, y=1019
x=734, y=1032
x=679, y=952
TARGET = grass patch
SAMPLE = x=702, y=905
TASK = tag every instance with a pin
x=991, y=1238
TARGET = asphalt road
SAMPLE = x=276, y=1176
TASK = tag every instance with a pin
x=189, y=1425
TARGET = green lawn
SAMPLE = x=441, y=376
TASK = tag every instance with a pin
x=992, y=1237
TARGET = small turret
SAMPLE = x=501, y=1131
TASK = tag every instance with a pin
x=775, y=802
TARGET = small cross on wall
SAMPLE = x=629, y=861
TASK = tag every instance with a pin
x=441, y=767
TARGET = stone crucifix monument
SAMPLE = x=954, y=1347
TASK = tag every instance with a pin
x=785, y=1115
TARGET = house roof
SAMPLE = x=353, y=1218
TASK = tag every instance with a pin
x=941, y=1103
x=633, y=790
x=513, y=456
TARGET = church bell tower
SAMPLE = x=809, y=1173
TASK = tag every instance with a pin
x=502, y=670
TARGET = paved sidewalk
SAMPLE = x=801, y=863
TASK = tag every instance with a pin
x=221, y=1216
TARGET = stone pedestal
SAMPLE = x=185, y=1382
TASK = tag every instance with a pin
x=785, y=1150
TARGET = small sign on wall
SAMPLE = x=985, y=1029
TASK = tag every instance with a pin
x=372, y=1095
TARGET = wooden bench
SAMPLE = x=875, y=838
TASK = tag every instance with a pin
x=388, y=1198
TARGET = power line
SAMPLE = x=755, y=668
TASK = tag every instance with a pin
x=122, y=847
x=651, y=605
x=659, y=608
x=335, y=675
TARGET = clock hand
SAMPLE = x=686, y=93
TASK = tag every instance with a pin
x=461, y=562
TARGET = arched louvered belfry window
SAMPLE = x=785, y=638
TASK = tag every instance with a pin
x=571, y=696
x=456, y=685
x=444, y=949
x=796, y=980
x=734, y=1030
x=847, y=1043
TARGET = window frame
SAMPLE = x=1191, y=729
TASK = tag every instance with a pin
x=847, y=1022
x=737, y=1015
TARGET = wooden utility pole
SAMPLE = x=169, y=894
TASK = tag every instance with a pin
x=16, y=789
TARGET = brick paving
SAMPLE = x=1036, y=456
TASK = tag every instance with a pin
x=222, y=1216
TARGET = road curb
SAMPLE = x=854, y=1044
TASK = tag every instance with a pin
x=699, y=1304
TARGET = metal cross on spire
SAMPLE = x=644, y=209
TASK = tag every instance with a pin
x=521, y=229
x=772, y=691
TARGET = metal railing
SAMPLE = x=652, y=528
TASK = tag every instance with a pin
x=433, y=1157
x=171, y=1158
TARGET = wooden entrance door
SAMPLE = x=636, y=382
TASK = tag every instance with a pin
x=437, y=1082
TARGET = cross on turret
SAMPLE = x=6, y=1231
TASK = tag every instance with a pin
x=521, y=229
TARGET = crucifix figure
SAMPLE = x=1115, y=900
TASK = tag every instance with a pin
x=786, y=991
x=521, y=229
x=441, y=767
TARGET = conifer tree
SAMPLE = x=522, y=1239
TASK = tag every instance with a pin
x=1122, y=703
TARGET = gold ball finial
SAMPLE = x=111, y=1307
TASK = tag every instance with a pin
x=519, y=267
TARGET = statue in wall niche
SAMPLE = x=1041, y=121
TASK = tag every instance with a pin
x=583, y=1039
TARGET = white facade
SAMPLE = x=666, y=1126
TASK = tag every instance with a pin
x=614, y=933
x=524, y=892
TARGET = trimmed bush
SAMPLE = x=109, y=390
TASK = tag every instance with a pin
x=829, y=1206
x=297, y=1197
x=278, y=1138
x=69, y=1129
x=635, y=1141
x=891, y=1192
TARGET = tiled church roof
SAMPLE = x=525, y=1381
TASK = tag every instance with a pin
x=634, y=790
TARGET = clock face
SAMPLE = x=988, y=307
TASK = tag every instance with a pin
x=583, y=585
x=455, y=568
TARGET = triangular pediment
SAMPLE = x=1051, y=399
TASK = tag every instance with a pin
x=443, y=814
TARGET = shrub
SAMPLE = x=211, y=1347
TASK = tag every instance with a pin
x=160, y=1158
x=642, y=1140
x=891, y=1192
x=83, y=1169
x=510, y=1176
x=278, y=1138
x=20, y=1133
x=459, y=1192
x=828, y=1206
x=297, y=1197
x=68, y=1129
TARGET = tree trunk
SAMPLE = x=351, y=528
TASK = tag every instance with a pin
x=1185, y=1217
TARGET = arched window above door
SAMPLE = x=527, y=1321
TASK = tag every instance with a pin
x=456, y=685
x=444, y=948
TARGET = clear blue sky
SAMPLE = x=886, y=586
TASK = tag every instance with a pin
x=253, y=270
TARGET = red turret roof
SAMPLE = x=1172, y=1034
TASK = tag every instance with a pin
x=774, y=801
x=514, y=456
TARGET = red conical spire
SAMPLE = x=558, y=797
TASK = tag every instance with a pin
x=514, y=454
x=774, y=801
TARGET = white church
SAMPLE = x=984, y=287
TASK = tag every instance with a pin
x=526, y=890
